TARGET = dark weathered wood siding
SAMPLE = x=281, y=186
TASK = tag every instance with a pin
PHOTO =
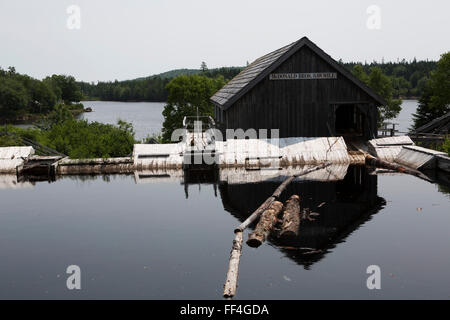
x=298, y=108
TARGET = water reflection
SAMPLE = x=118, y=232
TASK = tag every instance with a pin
x=10, y=181
x=138, y=237
x=343, y=206
x=345, y=197
x=442, y=180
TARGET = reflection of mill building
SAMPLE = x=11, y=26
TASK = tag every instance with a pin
x=346, y=204
x=300, y=90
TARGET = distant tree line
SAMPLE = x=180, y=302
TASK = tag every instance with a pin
x=408, y=77
x=151, y=89
x=408, y=80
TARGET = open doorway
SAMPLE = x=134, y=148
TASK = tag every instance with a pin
x=349, y=121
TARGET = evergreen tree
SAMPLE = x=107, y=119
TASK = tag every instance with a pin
x=203, y=66
x=435, y=99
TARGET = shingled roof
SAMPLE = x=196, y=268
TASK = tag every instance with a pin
x=263, y=66
x=438, y=125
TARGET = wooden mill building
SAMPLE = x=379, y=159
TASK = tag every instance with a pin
x=303, y=92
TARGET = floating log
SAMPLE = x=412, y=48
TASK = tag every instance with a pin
x=255, y=215
x=291, y=218
x=233, y=267
x=376, y=162
x=265, y=225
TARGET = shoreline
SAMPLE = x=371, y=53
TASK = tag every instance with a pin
x=30, y=118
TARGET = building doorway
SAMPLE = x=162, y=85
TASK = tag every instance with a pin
x=349, y=121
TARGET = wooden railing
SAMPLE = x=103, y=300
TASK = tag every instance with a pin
x=388, y=129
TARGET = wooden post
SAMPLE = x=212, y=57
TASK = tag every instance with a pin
x=233, y=267
x=291, y=218
x=265, y=225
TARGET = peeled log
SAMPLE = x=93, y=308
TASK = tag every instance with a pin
x=265, y=225
x=291, y=218
x=233, y=268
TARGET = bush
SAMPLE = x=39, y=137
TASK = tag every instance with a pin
x=80, y=139
x=446, y=145
x=9, y=141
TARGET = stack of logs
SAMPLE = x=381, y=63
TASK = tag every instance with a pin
x=290, y=222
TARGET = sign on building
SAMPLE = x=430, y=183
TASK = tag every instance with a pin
x=303, y=76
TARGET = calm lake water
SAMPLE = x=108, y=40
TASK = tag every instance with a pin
x=405, y=118
x=146, y=117
x=171, y=238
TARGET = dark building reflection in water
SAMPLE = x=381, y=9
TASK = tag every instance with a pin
x=200, y=177
x=343, y=206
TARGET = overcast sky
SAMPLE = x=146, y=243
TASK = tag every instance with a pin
x=125, y=39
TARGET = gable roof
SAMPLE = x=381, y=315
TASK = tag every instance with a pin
x=437, y=125
x=264, y=65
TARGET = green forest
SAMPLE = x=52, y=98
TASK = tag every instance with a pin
x=408, y=78
x=25, y=98
x=151, y=89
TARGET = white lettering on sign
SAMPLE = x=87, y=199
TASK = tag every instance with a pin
x=303, y=76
